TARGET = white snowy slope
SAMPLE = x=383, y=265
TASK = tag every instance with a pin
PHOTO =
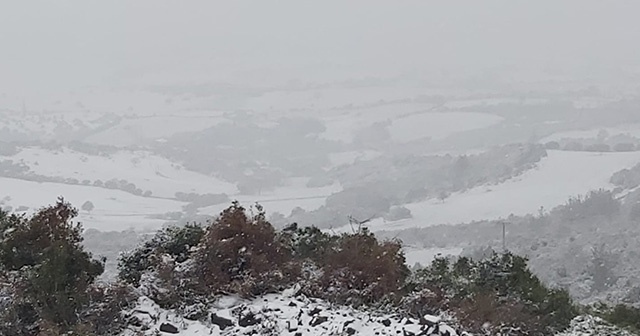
x=624, y=129
x=556, y=178
x=280, y=314
x=138, y=129
x=283, y=199
x=114, y=209
x=146, y=170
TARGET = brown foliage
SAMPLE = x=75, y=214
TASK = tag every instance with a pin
x=485, y=310
x=243, y=254
x=363, y=270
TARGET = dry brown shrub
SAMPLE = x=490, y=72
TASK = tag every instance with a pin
x=486, y=312
x=363, y=270
x=243, y=254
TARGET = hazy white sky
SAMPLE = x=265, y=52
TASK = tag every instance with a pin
x=50, y=45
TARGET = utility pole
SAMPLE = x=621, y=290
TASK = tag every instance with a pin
x=504, y=236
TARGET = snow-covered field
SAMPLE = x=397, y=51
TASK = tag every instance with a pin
x=558, y=177
x=114, y=210
x=146, y=170
x=283, y=199
x=627, y=129
x=131, y=131
x=438, y=125
x=405, y=122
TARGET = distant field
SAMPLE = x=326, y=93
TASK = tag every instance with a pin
x=146, y=170
x=558, y=177
x=114, y=209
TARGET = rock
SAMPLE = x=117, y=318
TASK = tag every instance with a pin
x=168, y=328
x=386, y=322
x=350, y=331
x=221, y=322
x=195, y=315
x=134, y=321
x=318, y=320
x=315, y=311
x=292, y=304
x=292, y=326
x=248, y=320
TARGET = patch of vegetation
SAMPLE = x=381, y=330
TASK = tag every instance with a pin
x=499, y=290
x=49, y=276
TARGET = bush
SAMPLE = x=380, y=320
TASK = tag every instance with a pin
x=176, y=242
x=500, y=290
x=600, y=203
x=363, y=270
x=243, y=254
x=624, y=316
x=50, y=270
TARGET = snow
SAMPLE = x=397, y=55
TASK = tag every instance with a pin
x=343, y=125
x=131, y=131
x=625, y=129
x=331, y=98
x=350, y=157
x=284, y=199
x=285, y=314
x=438, y=125
x=424, y=256
x=114, y=209
x=559, y=176
x=146, y=170
x=587, y=325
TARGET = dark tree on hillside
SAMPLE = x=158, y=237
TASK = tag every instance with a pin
x=88, y=206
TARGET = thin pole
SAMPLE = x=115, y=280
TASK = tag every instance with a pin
x=504, y=241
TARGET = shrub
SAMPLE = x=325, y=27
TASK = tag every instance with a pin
x=599, y=203
x=624, y=316
x=176, y=242
x=362, y=270
x=243, y=254
x=308, y=242
x=500, y=290
x=51, y=271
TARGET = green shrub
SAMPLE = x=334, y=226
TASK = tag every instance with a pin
x=500, y=278
x=624, y=316
x=174, y=241
x=51, y=271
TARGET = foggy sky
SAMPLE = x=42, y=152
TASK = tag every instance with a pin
x=62, y=45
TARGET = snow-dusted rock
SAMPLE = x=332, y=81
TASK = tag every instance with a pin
x=282, y=314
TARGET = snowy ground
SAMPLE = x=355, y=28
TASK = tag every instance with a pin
x=283, y=314
x=438, y=125
x=136, y=130
x=558, y=177
x=627, y=129
x=283, y=199
x=146, y=170
x=114, y=210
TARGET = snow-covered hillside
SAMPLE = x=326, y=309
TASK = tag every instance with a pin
x=559, y=176
x=146, y=170
x=135, y=130
x=114, y=209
